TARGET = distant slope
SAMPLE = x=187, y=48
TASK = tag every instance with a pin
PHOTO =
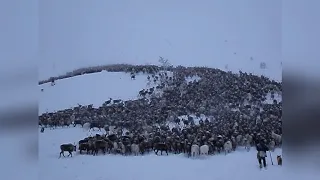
x=89, y=89
x=95, y=69
x=274, y=75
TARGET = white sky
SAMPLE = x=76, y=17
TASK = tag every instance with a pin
x=80, y=33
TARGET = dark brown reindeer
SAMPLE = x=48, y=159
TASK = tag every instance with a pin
x=116, y=101
x=67, y=147
x=161, y=147
x=100, y=145
x=108, y=101
x=78, y=122
x=84, y=145
x=95, y=125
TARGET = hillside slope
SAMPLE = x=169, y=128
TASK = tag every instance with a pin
x=89, y=89
x=95, y=89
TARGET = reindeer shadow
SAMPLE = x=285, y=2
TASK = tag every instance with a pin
x=243, y=149
x=56, y=156
x=198, y=157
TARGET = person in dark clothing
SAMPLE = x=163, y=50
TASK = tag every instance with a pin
x=262, y=149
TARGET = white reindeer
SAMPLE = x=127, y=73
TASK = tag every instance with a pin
x=247, y=144
x=135, y=149
x=276, y=137
x=239, y=140
x=204, y=150
x=272, y=145
x=122, y=148
x=195, y=150
x=86, y=126
x=115, y=147
x=227, y=147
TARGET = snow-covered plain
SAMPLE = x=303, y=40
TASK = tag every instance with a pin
x=240, y=165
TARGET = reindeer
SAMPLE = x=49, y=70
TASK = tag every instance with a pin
x=116, y=101
x=161, y=147
x=100, y=145
x=67, y=147
x=95, y=125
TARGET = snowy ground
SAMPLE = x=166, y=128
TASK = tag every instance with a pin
x=191, y=79
x=90, y=89
x=239, y=164
x=269, y=100
x=236, y=165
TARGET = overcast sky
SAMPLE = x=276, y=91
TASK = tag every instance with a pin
x=66, y=34
x=216, y=33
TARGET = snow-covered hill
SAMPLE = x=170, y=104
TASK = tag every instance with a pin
x=90, y=89
x=99, y=87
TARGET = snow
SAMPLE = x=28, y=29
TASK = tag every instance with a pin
x=195, y=118
x=269, y=100
x=88, y=89
x=117, y=167
x=239, y=164
x=192, y=79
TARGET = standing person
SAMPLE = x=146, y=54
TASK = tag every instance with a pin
x=42, y=129
x=52, y=81
x=262, y=149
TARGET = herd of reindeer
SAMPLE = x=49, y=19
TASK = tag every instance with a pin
x=139, y=145
x=204, y=144
x=228, y=131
